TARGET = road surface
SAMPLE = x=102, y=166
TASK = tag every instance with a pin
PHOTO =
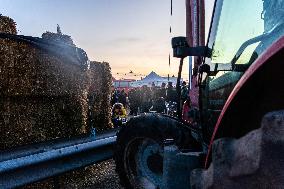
x=105, y=177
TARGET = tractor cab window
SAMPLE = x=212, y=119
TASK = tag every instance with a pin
x=241, y=31
x=239, y=21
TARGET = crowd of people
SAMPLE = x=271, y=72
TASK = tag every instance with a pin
x=146, y=99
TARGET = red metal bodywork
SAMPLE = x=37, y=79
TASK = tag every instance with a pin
x=195, y=22
x=195, y=33
x=195, y=25
x=261, y=61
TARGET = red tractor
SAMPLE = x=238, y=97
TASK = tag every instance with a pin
x=237, y=141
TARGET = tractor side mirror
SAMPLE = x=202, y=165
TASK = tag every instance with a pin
x=178, y=45
x=204, y=68
x=181, y=49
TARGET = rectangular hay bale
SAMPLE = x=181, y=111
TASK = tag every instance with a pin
x=28, y=70
x=26, y=119
x=100, y=91
x=44, y=97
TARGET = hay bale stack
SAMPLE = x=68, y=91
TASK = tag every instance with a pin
x=99, y=95
x=28, y=70
x=44, y=97
x=101, y=91
x=28, y=119
x=99, y=99
x=7, y=25
x=58, y=37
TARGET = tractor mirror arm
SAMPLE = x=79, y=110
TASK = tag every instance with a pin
x=181, y=52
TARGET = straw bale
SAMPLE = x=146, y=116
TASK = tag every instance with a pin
x=27, y=70
x=58, y=37
x=100, y=75
x=7, y=25
x=101, y=91
x=26, y=120
x=44, y=97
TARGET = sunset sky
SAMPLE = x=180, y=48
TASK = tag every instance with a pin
x=129, y=34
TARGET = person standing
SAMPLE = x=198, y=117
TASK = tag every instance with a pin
x=114, y=97
x=184, y=93
x=171, y=94
x=133, y=97
x=122, y=98
x=159, y=105
x=162, y=91
x=118, y=113
x=145, y=99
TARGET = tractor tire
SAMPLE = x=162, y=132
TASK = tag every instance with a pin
x=254, y=161
x=139, y=149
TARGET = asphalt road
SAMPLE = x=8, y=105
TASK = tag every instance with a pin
x=105, y=177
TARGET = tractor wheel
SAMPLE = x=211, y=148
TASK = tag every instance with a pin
x=253, y=161
x=139, y=150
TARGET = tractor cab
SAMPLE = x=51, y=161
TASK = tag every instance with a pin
x=239, y=34
x=238, y=76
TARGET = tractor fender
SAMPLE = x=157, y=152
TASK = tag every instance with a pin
x=257, y=92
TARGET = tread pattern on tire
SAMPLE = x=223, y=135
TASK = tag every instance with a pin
x=253, y=161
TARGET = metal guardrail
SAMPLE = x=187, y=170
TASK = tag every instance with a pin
x=38, y=162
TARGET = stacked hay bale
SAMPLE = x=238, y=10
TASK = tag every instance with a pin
x=44, y=97
x=99, y=102
x=58, y=37
x=100, y=92
x=7, y=25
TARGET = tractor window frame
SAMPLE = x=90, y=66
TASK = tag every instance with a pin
x=213, y=35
